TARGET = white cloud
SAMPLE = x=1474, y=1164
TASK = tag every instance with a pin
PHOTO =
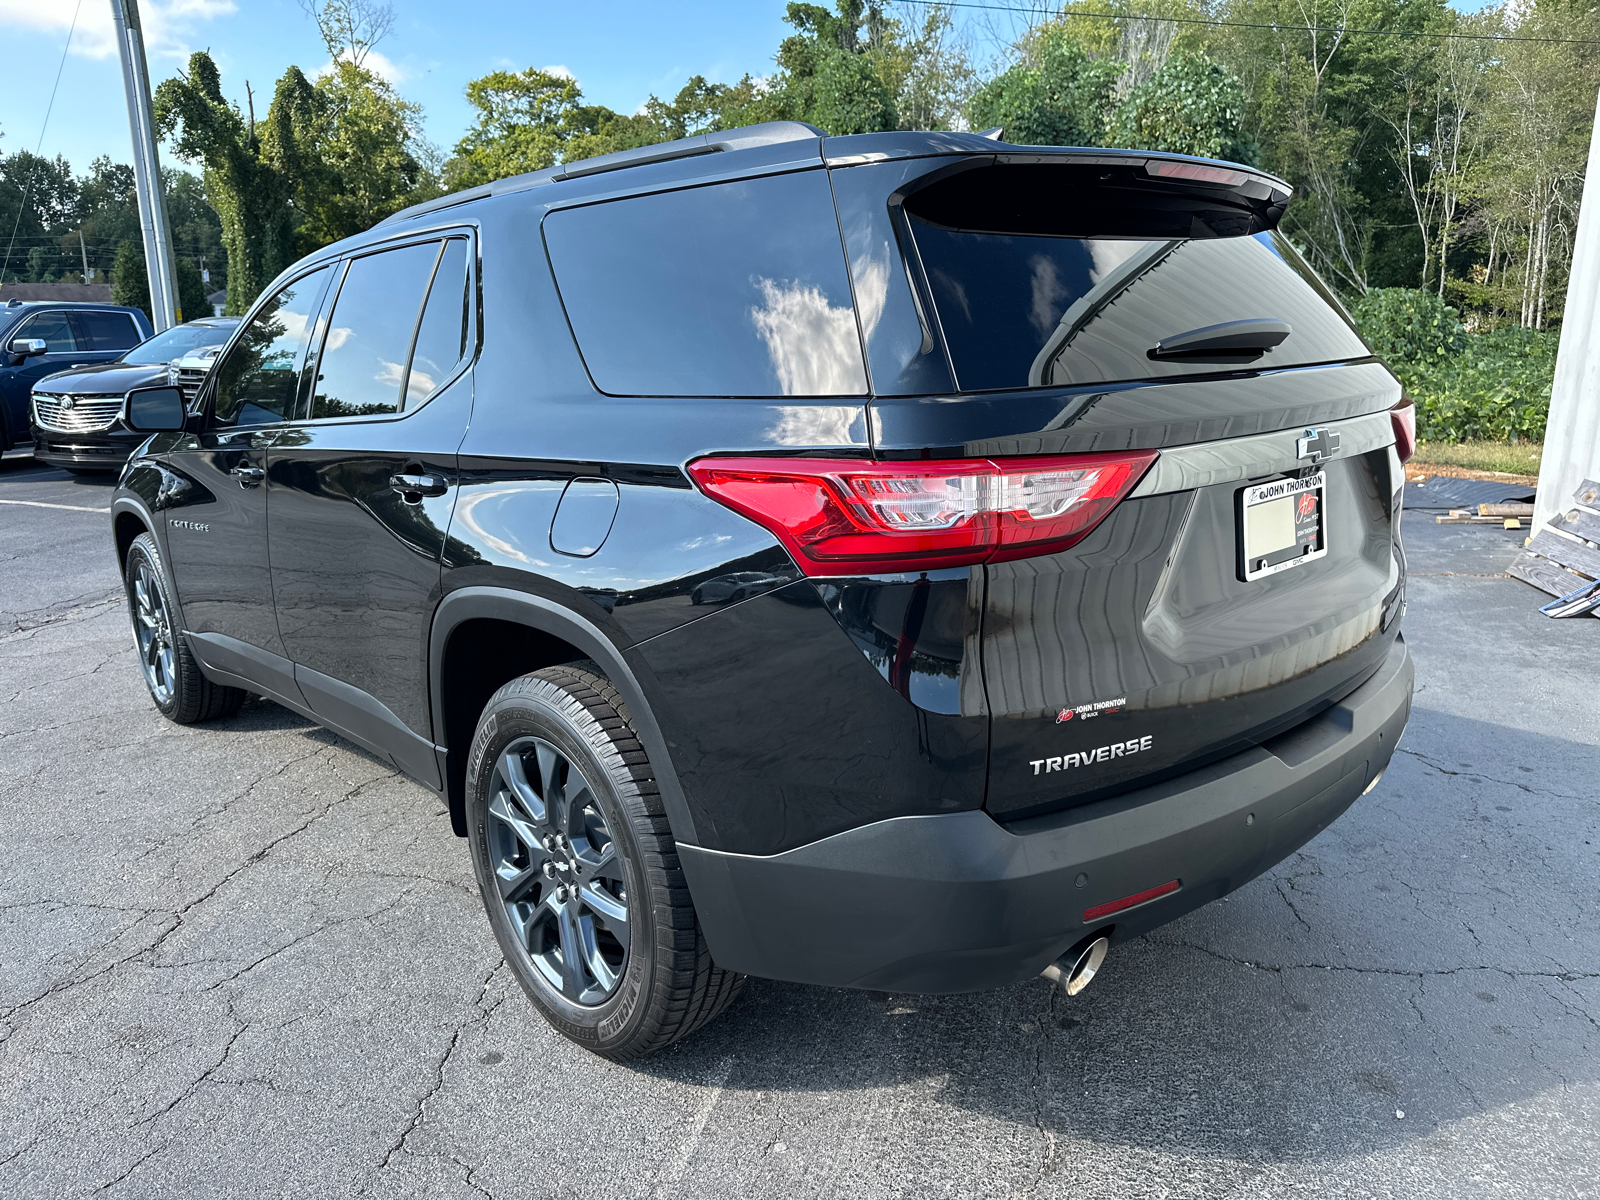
x=559, y=71
x=168, y=24
x=814, y=347
x=380, y=65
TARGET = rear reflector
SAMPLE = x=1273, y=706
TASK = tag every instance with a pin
x=1404, y=417
x=1127, y=902
x=846, y=516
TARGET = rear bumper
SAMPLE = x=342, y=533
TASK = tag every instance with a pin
x=958, y=902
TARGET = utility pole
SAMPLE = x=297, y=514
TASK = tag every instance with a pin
x=166, y=310
x=88, y=275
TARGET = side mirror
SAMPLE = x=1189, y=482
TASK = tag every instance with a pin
x=154, y=410
x=23, y=349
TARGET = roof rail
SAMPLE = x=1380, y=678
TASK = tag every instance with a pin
x=769, y=133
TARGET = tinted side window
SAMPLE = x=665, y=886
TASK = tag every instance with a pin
x=442, y=336
x=736, y=289
x=106, y=330
x=52, y=327
x=256, y=380
x=1037, y=311
x=369, y=333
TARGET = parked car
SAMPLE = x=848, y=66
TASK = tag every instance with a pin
x=77, y=414
x=1065, y=500
x=43, y=337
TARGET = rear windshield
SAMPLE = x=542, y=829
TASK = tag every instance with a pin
x=1019, y=309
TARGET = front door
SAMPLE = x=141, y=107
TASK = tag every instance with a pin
x=217, y=526
x=54, y=328
x=359, y=494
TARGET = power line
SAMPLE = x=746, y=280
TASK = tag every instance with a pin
x=1339, y=29
x=23, y=207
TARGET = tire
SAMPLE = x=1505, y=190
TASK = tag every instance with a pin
x=555, y=757
x=171, y=674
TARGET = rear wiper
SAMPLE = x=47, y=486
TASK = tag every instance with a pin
x=1230, y=340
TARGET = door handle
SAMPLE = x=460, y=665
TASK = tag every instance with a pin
x=248, y=476
x=414, y=487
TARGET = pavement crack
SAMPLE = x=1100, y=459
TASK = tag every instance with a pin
x=1443, y=770
x=479, y=1016
x=132, y=1167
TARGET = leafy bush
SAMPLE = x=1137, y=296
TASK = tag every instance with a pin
x=1466, y=385
x=1497, y=387
x=1404, y=325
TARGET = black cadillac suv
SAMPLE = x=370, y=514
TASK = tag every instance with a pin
x=904, y=561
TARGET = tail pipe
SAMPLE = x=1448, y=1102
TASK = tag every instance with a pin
x=1074, y=969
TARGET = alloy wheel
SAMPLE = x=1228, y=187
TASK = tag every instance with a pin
x=561, y=879
x=152, y=627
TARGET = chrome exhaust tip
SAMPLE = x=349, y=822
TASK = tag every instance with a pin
x=1076, y=968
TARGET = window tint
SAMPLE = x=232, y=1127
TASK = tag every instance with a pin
x=369, y=333
x=256, y=381
x=52, y=327
x=1026, y=311
x=106, y=330
x=442, y=336
x=737, y=289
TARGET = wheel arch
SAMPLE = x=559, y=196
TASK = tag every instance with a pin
x=525, y=633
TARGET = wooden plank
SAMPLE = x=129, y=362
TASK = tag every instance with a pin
x=1588, y=493
x=1544, y=574
x=1578, y=523
x=1505, y=510
x=1466, y=519
x=1575, y=556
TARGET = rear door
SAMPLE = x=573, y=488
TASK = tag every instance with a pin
x=1073, y=314
x=360, y=489
x=105, y=335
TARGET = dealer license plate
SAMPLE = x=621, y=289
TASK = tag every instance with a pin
x=1281, y=525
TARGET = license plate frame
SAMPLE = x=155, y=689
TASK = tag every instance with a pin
x=1282, y=524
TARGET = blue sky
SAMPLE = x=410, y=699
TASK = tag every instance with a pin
x=620, y=50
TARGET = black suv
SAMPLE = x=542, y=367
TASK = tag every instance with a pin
x=903, y=561
x=77, y=413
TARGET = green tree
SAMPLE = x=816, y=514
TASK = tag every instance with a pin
x=250, y=193
x=348, y=144
x=1055, y=95
x=130, y=283
x=840, y=70
x=1190, y=106
x=520, y=126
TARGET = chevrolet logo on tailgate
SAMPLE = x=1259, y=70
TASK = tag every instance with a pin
x=1317, y=445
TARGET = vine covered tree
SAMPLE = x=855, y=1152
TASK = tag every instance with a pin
x=251, y=194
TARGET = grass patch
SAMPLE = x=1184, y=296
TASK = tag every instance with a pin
x=1514, y=458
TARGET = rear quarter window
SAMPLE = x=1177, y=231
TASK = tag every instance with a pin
x=1018, y=310
x=106, y=330
x=732, y=289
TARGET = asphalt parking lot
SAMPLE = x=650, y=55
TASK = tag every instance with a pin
x=247, y=959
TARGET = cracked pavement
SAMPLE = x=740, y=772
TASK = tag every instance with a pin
x=248, y=959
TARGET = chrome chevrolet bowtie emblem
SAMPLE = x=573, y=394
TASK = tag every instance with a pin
x=1317, y=445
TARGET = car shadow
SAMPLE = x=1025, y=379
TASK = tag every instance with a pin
x=1422, y=961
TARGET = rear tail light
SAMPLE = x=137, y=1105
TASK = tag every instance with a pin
x=846, y=516
x=1404, y=418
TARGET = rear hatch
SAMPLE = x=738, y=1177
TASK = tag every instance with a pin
x=1251, y=578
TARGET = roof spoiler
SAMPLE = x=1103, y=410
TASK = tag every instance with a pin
x=769, y=133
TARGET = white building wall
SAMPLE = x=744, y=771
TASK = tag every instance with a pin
x=1572, y=442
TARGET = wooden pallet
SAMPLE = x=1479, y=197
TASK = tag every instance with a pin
x=1566, y=555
